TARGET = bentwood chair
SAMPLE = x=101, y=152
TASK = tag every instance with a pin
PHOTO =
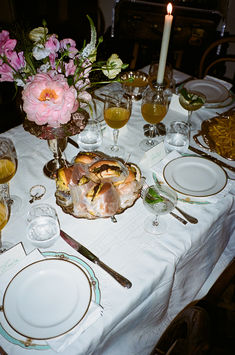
x=209, y=61
x=206, y=326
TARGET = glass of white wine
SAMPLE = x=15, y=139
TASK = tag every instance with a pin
x=4, y=215
x=8, y=165
x=159, y=200
x=117, y=111
x=153, y=108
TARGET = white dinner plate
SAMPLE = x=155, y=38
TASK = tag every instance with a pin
x=213, y=91
x=195, y=176
x=47, y=299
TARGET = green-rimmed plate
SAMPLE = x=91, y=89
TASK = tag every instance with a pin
x=28, y=343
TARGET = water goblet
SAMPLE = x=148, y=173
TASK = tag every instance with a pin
x=90, y=138
x=43, y=225
x=177, y=137
x=153, y=108
x=8, y=165
x=159, y=200
x=117, y=111
x=191, y=101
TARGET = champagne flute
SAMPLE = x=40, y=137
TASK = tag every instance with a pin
x=117, y=111
x=191, y=101
x=8, y=164
x=159, y=200
x=153, y=108
x=4, y=215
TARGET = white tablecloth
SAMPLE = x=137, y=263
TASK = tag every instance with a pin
x=167, y=271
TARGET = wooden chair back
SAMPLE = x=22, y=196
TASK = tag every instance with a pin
x=205, y=66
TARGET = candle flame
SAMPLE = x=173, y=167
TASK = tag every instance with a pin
x=169, y=8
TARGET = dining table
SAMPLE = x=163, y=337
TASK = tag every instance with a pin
x=167, y=271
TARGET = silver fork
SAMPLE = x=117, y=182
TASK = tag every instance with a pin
x=171, y=213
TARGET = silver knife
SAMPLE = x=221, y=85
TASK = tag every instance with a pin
x=89, y=255
x=215, y=160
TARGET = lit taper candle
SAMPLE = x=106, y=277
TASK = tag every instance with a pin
x=165, y=44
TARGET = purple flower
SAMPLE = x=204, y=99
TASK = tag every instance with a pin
x=70, y=45
x=52, y=44
x=6, y=73
x=70, y=68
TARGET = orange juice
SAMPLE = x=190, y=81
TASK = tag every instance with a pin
x=153, y=113
x=7, y=170
x=116, y=117
x=3, y=215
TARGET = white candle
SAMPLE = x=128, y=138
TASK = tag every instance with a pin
x=165, y=44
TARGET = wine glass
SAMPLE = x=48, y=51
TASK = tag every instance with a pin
x=191, y=101
x=159, y=200
x=8, y=165
x=4, y=216
x=117, y=111
x=153, y=108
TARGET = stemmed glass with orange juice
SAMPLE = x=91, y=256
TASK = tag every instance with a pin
x=117, y=111
x=153, y=108
x=7, y=171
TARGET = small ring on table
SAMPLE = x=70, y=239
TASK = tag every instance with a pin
x=38, y=194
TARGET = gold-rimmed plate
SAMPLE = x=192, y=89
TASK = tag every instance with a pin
x=195, y=176
x=212, y=90
x=47, y=298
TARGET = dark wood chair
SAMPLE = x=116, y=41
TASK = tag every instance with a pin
x=209, y=60
x=206, y=326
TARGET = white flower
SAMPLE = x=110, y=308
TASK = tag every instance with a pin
x=19, y=82
x=37, y=34
x=44, y=68
x=113, y=66
x=40, y=52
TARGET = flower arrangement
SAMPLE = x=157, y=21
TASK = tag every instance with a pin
x=54, y=74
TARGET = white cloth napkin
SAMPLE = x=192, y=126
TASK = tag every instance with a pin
x=58, y=344
x=158, y=170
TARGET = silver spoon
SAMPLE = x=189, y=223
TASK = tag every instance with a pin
x=187, y=216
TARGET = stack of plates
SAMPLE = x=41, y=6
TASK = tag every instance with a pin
x=216, y=94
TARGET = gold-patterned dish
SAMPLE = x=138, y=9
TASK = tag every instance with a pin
x=97, y=186
x=219, y=135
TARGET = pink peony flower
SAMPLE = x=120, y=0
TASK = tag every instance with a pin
x=49, y=100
